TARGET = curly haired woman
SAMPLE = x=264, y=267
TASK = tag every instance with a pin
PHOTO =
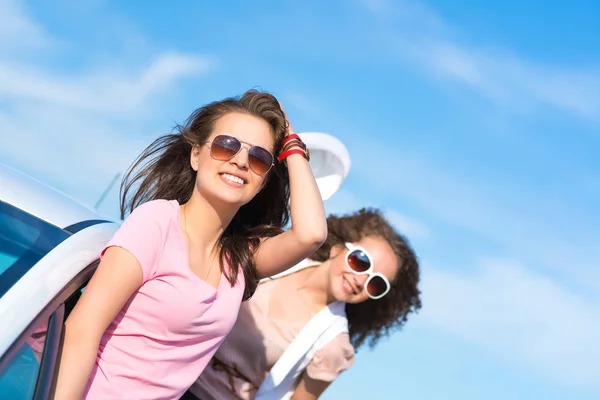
x=302, y=327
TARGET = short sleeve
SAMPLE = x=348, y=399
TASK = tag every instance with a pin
x=333, y=359
x=142, y=233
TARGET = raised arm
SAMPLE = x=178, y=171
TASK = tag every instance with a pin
x=309, y=225
x=117, y=277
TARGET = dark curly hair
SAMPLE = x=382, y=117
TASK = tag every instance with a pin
x=163, y=171
x=371, y=320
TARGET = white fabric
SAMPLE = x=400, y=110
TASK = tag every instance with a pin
x=330, y=322
x=329, y=161
x=300, y=266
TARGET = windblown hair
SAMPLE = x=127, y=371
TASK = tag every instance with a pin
x=163, y=171
x=371, y=320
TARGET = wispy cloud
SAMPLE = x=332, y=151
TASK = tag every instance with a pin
x=510, y=80
x=302, y=103
x=77, y=152
x=537, y=227
x=106, y=91
x=420, y=37
x=409, y=226
x=344, y=202
x=527, y=319
x=540, y=314
x=17, y=30
x=99, y=119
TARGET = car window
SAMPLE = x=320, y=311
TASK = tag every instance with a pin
x=24, y=240
x=19, y=376
x=16, y=237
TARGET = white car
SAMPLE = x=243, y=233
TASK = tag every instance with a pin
x=49, y=248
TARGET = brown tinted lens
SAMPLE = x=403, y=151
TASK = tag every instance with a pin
x=260, y=159
x=224, y=147
x=358, y=261
x=376, y=286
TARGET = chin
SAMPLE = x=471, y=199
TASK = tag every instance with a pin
x=229, y=198
x=233, y=201
x=342, y=296
x=234, y=198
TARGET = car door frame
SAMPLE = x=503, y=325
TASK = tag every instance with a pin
x=65, y=270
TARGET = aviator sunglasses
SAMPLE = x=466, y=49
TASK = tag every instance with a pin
x=360, y=263
x=225, y=147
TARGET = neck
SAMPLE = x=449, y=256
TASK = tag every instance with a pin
x=314, y=283
x=205, y=223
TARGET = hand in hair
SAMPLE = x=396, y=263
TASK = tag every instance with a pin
x=290, y=129
x=309, y=225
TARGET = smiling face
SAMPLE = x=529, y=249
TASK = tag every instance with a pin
x=232, y=181
x=348, y=287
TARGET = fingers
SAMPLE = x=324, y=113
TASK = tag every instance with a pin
x=290, y=128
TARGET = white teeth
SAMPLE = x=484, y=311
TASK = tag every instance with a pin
x=232, y=178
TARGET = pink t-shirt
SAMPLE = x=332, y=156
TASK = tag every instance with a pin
x=172, y=325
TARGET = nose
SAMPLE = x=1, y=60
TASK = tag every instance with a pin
x=240, y=160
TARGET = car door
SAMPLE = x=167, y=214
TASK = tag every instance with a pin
x=35, y=304
x=29, y=368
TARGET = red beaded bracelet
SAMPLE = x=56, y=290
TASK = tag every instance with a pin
x=288, y=153
x=290, y=137
x=293, y=143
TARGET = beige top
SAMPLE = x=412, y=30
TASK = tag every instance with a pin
x=266, y=325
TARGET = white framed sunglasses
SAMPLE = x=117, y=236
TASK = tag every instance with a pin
x=360, y=263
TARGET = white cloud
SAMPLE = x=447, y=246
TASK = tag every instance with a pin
x=512, y=81
x=408, y=226
x=16, y=29
x=419, y=36
x=525, y=318
x=76, y=130
x=302, y=103
x=526, y=222
x=344, y=202
x=94, y=122
x=106, y=91
x=78, y=152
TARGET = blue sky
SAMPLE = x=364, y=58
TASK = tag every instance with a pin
x=475, y=126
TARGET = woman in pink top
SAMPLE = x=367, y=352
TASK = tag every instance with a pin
x=208, y=204
x=365, y=264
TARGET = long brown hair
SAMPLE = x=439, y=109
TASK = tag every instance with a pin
x=163, y=171
x=371, y=320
